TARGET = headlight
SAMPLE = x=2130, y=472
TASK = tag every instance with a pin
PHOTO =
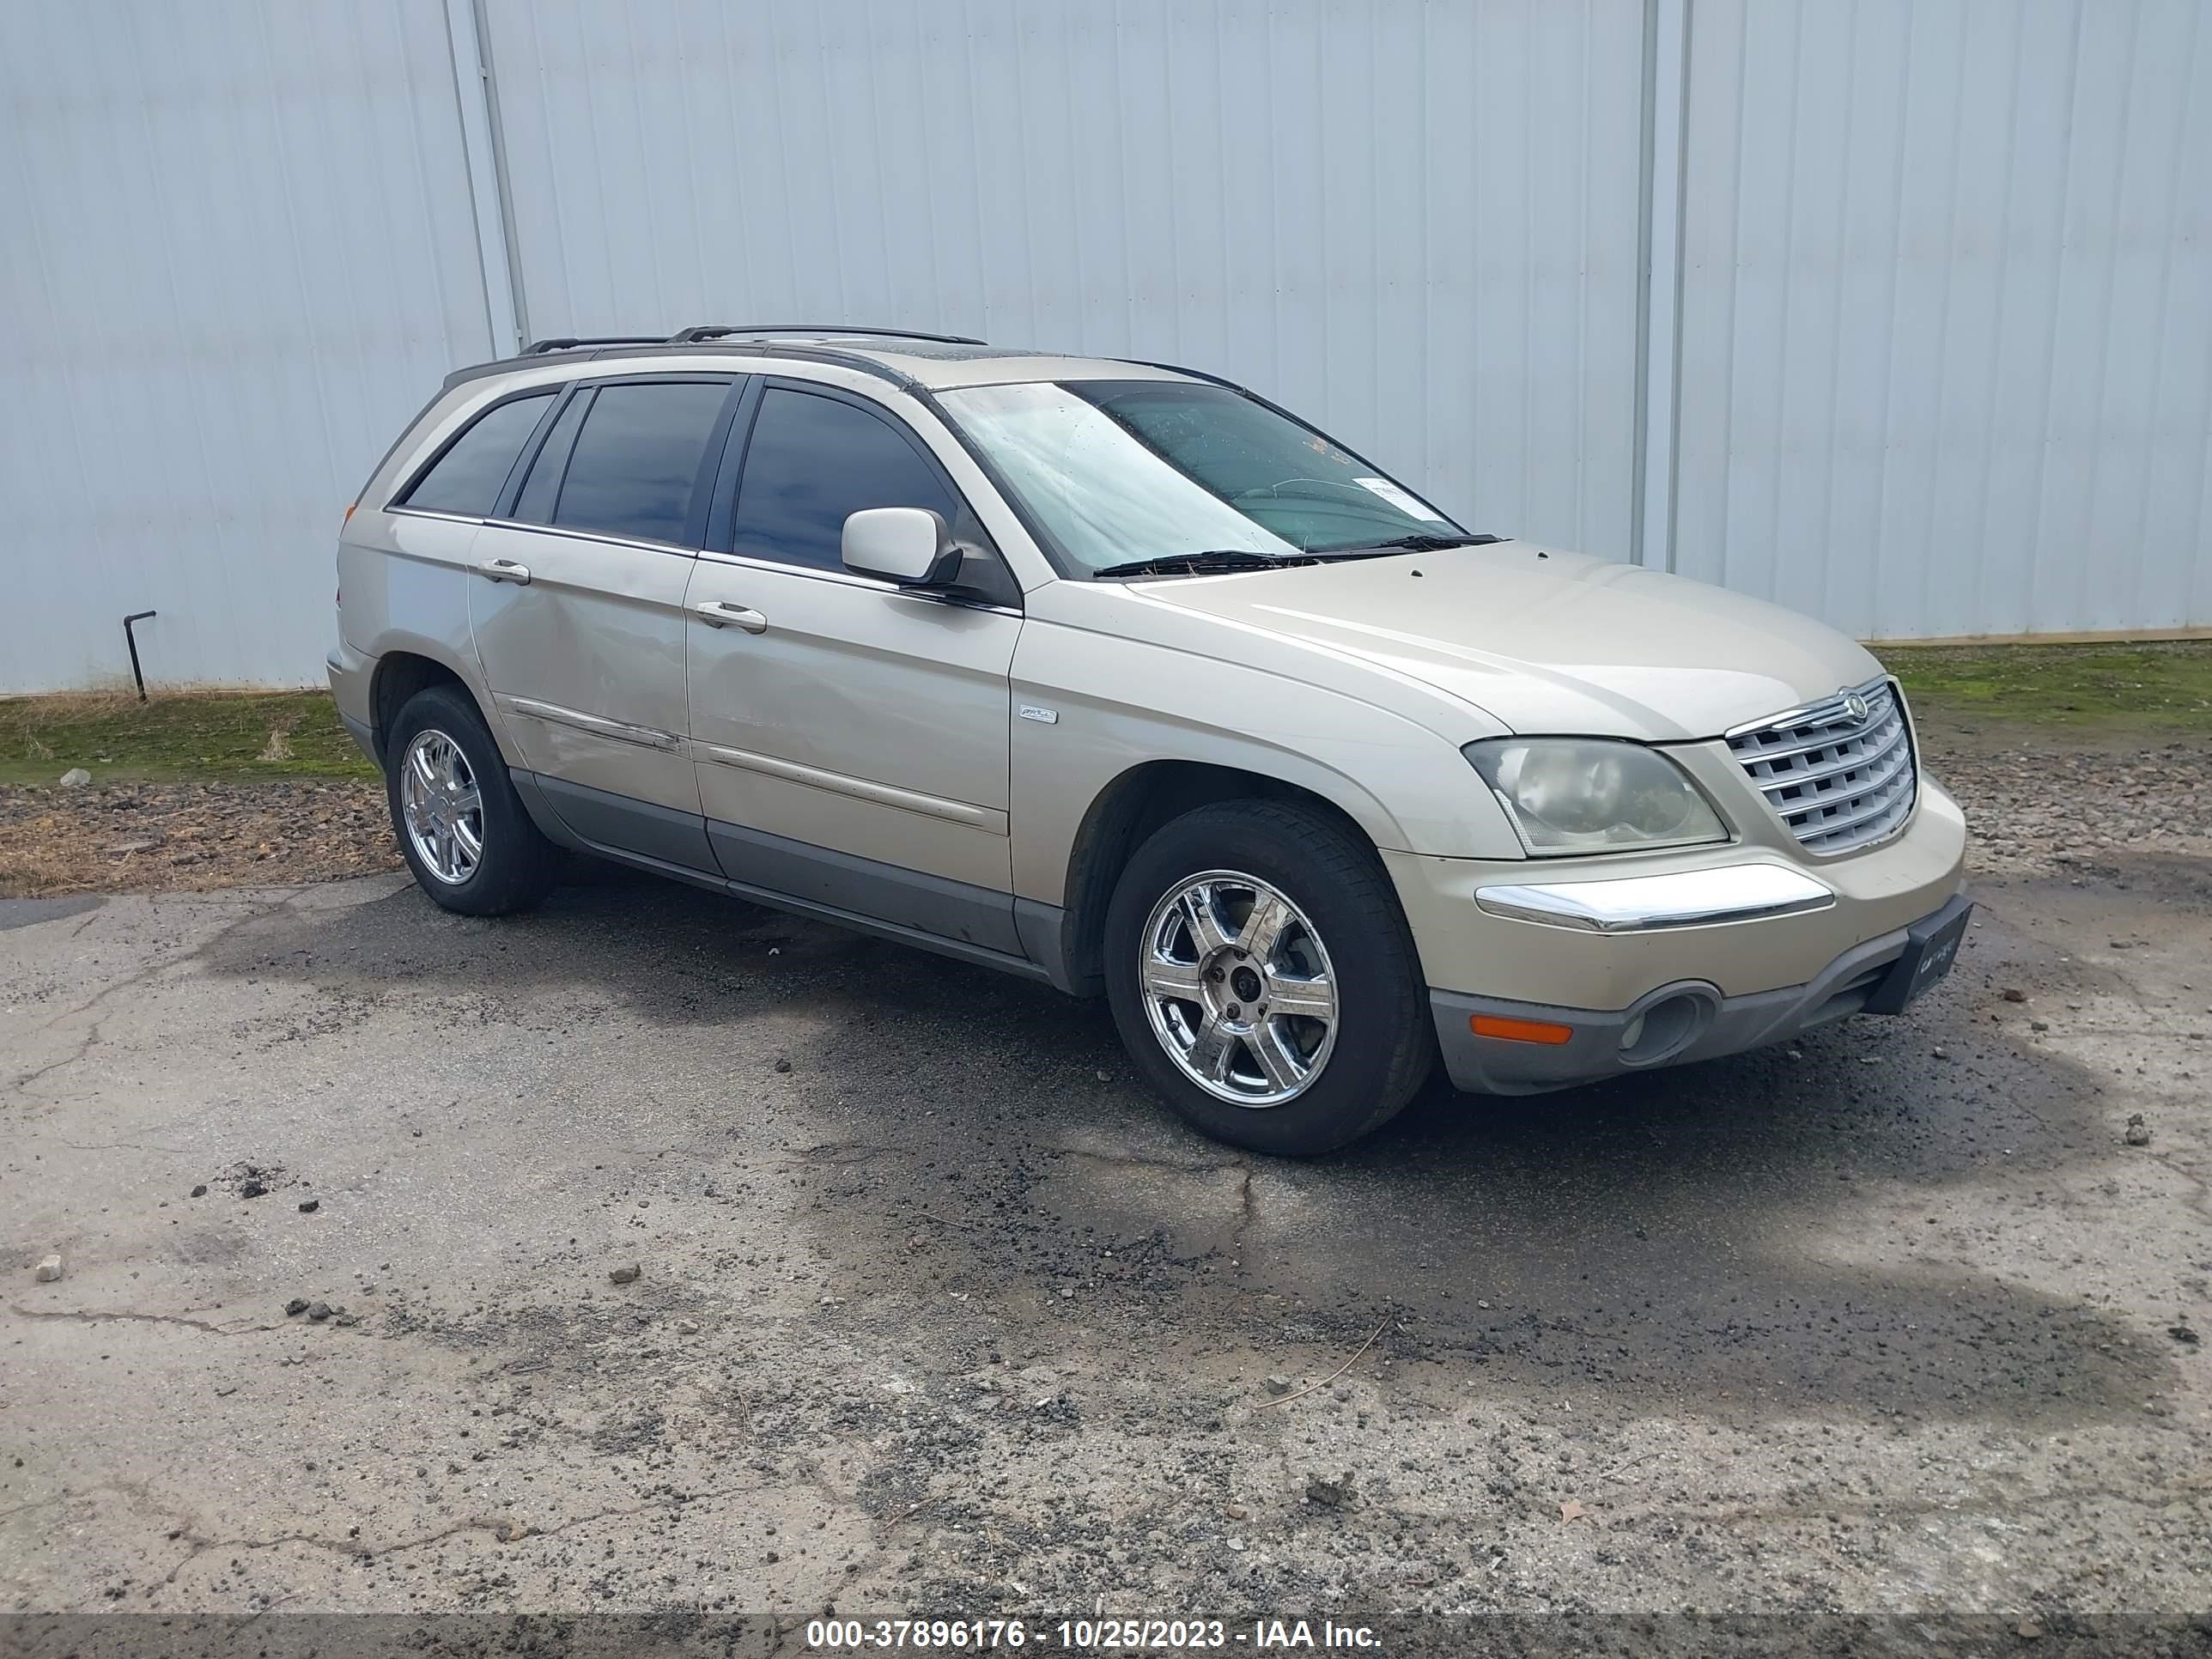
x=1594, y=795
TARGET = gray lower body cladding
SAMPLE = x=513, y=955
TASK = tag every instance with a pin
x=950, y=917
x=1671, y=1026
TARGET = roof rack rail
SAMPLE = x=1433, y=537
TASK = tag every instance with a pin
x=566, y=342
x=719, y=331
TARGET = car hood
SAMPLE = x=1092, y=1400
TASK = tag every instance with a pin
x=1545, y=641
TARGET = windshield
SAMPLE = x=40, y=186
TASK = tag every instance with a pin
x=1120, y=471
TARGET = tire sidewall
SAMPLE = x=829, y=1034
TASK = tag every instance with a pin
x=486, y=887
x=1370, y=960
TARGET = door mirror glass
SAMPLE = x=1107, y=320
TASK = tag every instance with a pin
x=908, y=545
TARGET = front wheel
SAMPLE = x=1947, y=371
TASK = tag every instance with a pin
x=462, y=829
x=1263, y=980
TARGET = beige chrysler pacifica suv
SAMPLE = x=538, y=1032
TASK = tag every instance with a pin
x=1119, y=677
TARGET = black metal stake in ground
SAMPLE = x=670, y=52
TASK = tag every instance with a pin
x=131, y=638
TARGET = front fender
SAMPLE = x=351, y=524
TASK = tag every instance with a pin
x=1115, y=704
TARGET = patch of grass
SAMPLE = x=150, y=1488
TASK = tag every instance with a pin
x=189, y=735
x=178, y=735
x=2109, y=688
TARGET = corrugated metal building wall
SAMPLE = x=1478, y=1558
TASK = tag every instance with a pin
x=238, y=252
x=1311, y=199
x=1899, y=311
x=1947, y=313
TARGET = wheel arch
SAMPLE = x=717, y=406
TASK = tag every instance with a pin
x=404, y=670
x=1131, y=807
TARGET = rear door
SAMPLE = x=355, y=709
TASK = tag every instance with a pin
x=851, y=737
x=578, y=606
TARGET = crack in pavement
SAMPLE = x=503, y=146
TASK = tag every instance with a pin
x=93, y=1038
x=355, y=1549
x=126, y=1147
x=1896, y=1509
x=98, y=1317
x=1127, y=1161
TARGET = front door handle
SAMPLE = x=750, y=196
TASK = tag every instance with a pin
x=505, y=570
x=721, y=613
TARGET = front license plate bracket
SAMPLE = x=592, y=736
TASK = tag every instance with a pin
x=1931, y=946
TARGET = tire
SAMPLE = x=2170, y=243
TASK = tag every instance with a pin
x=1239, y=859
x=513, y=865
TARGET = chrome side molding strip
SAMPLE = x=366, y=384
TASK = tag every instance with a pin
x=598, y=725
x=1636, y=904
x=883, y=794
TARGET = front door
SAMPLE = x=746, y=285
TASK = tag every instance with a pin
x=577, y=609
x=851, y=738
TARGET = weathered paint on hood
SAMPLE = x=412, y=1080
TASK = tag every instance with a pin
x=1549, y=642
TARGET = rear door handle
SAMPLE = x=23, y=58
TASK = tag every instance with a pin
x=505, y=570
x=721, y=613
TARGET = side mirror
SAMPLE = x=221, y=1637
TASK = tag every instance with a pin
x=908, y=545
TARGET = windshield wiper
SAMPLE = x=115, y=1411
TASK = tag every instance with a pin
x=1420, y=542
x=1201, y=564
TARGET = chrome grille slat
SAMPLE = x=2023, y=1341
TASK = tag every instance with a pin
x=1850, y=818
x=1860, y=772
x=1889, y=733
x=1838, y=780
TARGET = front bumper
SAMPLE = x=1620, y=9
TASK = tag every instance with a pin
x=1715, y=950
x=1487, y=946
x=1671, y=1023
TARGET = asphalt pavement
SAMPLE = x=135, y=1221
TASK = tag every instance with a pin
x=933, y=1308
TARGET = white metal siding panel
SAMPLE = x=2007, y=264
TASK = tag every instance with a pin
x=1946, y=301
x=239, y=255
x=1415, y=224
x=1947, y=313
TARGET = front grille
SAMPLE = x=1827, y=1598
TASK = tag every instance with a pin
x=1840, y=779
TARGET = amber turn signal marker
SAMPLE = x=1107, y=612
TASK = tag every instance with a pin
x=1519, y=1030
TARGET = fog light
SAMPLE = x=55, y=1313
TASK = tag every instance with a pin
x=1666, y=1028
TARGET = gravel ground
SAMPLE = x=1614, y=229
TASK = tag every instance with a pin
x=162, y=837
x=936, y=1311
x=2035, y=808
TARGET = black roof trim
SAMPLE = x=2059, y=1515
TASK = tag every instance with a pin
x=565, y=343
x=1198, y=375
x=725, y=330
x=591, y=352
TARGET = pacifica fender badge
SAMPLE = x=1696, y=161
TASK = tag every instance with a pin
x=1030, y=711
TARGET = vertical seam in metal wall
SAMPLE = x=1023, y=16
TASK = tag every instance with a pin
x=1661, y=186
x=1641, y=415
x=502, y=185
x=466, y=32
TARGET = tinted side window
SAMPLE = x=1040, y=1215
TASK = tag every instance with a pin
x=634, y=462
x=534, y=503
x=813, y=460
x=468, y=476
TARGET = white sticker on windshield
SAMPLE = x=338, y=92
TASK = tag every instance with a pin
x=1412, y=506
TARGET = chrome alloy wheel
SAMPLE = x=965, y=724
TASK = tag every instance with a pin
x=442, y=805
x=1237, y=987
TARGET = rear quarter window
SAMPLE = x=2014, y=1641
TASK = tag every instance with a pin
x=468, y=477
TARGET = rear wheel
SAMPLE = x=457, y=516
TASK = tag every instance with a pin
x=1262, y=978
x=462, y=829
